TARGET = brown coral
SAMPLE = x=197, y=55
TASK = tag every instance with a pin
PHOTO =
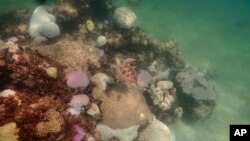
x=26, y=70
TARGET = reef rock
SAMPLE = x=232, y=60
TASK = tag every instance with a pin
x=75, y=55
x=197, y=95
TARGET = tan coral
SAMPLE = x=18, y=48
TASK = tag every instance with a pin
x=100, y=81
x=123, y=109
x=53, y=125
x=9, y=132
x=94, y=110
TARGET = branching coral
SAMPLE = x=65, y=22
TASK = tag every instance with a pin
x=162, y=94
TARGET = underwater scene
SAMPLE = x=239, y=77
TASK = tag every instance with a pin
x=123, y=70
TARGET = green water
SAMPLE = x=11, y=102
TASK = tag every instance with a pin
x=10, y=5
x=214, y=36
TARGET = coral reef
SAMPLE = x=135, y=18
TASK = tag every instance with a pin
x=102, y=79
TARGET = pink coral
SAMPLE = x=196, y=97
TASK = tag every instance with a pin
x=79, y=133
x=77, y=79
x=79, y=100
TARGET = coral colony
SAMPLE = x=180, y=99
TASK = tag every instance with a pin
x=73, y=75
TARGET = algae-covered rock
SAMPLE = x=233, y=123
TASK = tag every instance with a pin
x=53, y=125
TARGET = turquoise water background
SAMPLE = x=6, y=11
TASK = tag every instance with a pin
x=212, y=35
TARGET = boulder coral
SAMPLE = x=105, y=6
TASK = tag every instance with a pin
x=42, y=23
x=124, y=17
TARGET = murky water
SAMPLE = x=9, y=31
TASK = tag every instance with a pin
x=213, y=36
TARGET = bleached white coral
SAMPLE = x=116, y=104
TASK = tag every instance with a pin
x=127, y=134
x=43, y=23
x=162, y=94
x=156, y=131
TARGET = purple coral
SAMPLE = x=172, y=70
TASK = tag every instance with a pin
x=79, y=133
x=195, y=85
x=144, y=78
x=77, y=79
